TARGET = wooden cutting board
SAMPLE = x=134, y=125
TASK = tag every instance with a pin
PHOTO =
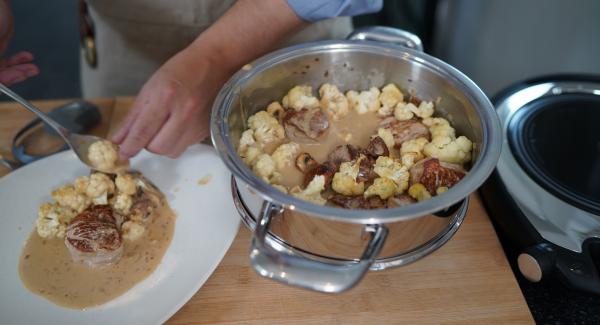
x=467, y=281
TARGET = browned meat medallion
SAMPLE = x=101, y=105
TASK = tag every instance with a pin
x=405, y=130
x=93, y=237
x=433, y=173
x=305, y=125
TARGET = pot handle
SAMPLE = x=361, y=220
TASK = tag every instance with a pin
x=387, y=35
x=272, y=260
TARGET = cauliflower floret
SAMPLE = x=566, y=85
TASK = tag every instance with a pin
x=275, y=109
x=284, y=154
x=266, y=128
x=383, y=187
x=387, y=136
x=390, y=168
x=99, y=187
x=403, y=111
x=103, y=155
x=52, y=220
x=67, y=196
x=457, y=151
x=122, y=203
x=419, y=192
x=333, y=101
x=300, y=97
x=365, y=101
x=424, y=110
x=389, y=98
x=344, y=181
x=246, y=140
x=441, y=131
x=265, y=168
x=126, y=184
x=412, y=151
x=312, y=192
x=251, y=154
x=81, y=184
x=131, y=230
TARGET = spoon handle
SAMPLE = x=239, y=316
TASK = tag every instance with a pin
x=64, y=133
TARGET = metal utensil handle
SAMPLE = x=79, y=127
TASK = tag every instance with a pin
x=272, y=260
x=64, y=133
x=387, y=35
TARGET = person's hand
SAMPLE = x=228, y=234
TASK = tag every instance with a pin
x=18, y=67
x=172, y=110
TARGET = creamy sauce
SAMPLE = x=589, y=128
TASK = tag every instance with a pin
x=355, y=129
x=46, y=268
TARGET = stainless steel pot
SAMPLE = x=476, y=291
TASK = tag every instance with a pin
x=326, y=248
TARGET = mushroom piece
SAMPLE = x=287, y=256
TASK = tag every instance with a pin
x=305, y=125
x=377, y=147
x=305, y=162
x=405, y=130
x=400, y=200
x=327, y=169
x=357, y=202
x=433, y=173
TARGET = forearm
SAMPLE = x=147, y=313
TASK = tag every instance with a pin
x=248, y=30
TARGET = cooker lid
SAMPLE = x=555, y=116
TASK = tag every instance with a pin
x=556, y=140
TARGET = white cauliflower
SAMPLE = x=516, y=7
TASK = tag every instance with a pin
x=382, y=187
x=333, y=101
x=126, y=184
x=275, y=109
x=387, y=136
x=265, y=127
x=250, y=155
x=81, y=184
x=67, y=196
x=122, y=203
x=403, y=111
x=103, y=155
x=457, y=151
x=365, y=101
x=444, y=145
x=266, y=169
x=412, y=151
x=344, y=181
x=424, y=110
x=390, y=96
x=441, y=131
x=284, y=154
x=131, y=230
x=52, y=220
x=300, y=97
x=312, y=192
x=99, y=185
x=246, y=140
x=390, y=168
x=419, y=192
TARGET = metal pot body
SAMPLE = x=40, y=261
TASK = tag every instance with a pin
x=326, y=248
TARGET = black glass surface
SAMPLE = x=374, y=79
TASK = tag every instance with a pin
x=556, y=140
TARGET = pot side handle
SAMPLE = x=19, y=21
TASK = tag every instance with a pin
x=272, y=260
x=387, y=35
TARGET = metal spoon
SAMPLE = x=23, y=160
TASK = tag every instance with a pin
x=79, y=143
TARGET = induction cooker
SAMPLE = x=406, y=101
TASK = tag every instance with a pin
x=544, y=195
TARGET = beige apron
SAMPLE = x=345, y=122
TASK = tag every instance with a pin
x=134, y=37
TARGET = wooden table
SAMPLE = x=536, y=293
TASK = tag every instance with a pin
x=467, y=281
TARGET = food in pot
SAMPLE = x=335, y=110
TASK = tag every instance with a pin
x=366, y=149
x=101, y=235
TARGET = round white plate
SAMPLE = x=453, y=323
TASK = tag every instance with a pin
x=206, y=224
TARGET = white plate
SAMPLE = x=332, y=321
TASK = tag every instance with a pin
x=206, y=224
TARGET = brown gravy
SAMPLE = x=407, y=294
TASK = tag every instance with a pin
x=360, y=127
x=46, y=268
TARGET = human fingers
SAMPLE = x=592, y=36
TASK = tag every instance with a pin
x=18, y=73
x=150, y=118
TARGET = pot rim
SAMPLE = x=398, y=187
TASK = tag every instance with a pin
x=488, y=157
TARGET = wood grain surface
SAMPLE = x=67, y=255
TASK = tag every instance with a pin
x=467, y=281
